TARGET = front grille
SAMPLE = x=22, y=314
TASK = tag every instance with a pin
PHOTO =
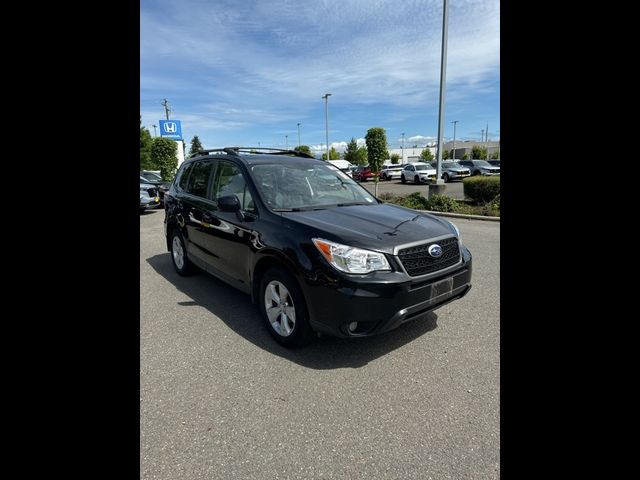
x=152, y=192
x=417, y=261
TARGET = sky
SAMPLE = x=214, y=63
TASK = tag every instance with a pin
x=246, y=72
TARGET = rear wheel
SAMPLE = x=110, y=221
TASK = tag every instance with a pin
x=181, y=263
x=283, y=309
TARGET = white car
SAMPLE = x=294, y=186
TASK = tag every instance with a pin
x=390, y=172
x=418, y=172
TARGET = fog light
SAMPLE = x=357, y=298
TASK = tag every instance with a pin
x=353, y=326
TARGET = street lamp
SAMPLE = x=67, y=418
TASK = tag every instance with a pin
x=326, y=118
x=454, y=139
x=443, y=76
x=155, y=134
x=402, y=161
x=286, y=140
x=299, y=133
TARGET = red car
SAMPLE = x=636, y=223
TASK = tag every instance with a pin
x=363, y=173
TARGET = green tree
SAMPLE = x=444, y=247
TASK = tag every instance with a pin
x=465, y=156
x=479, y=153
x=195, y=145
x=495, y=155
x=362, y=156
x=446, y=155
x=426, y=155
x=164, y=156
x=395, y=158
x=333, y=154
x=351, y=153
x=303, y=149
x=377, y=153
x=145, y=148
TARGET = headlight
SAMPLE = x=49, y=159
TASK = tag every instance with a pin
x=457, y=230
x=350, y=259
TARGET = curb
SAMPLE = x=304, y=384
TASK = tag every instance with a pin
x=461, y=215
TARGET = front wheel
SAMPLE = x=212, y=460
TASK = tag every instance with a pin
x=402, y=179
x=445, y=177
x=283, y=309
x=416, y=179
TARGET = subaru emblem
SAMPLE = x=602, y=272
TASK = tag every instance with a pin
x=435, y=250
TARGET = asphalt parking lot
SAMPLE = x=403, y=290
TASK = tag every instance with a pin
x=452, y=189
x=220, y=399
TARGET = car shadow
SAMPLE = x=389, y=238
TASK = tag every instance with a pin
x=235, y=309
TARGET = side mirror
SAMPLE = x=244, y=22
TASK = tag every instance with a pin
x=230, y=203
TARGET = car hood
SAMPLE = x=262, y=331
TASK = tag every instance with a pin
x=147, y=185
x=491, y=168
x=379, y=227
x=456, y=169
x=430, y=171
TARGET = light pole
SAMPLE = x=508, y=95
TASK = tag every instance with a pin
x=454, y=139
x=443, y=77
x=155, y=134
x=402, y=161
x=286, y=140
x=299, y=133
x=326, y=118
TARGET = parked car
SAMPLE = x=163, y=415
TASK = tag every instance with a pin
x=343, y=165
x=315, y=251
x=452, y=170
x=390, y=172
x=149, y=197
x=156, y=179
x=495, y=163
x=363, y=173
x=480, y=167
x=418, y=172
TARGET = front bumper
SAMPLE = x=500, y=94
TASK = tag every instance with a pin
x=380, y=306
x=146, y=203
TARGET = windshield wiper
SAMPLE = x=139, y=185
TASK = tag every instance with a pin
x=348, y=204
x=298, y=209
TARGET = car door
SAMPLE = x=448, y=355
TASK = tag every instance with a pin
x=229, y=237
x=194, y=207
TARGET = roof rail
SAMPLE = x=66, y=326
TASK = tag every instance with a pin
x=253, y=150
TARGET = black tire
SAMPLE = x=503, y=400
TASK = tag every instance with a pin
x=477, y=172
x=445, y=177
x=402, y=179
x=416, y=179
x=187, y=268
x=301, y=333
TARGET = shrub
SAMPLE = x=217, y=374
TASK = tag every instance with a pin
x=415, y=201
x=495, y=203
x=442, y=203
x=481, y=189
x=387, y=197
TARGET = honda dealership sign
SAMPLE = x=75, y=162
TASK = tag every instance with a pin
x=171, y=129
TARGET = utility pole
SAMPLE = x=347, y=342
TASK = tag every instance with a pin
x=486, y=138
x=299, y=133
x=286, y=140
x=165, y=104
x=443, y=78
x=155, y=134
x=326, y=118
x=402, y=161
x=454, y=139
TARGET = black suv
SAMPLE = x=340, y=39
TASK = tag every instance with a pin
x=314, y=249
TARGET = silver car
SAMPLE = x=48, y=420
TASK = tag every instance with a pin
x=480, y=167
x=149, y=197
x=453, y=171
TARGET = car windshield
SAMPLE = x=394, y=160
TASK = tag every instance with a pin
x=304, y=186
x=482, y=163
x=152, y=176
x=423, y=167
